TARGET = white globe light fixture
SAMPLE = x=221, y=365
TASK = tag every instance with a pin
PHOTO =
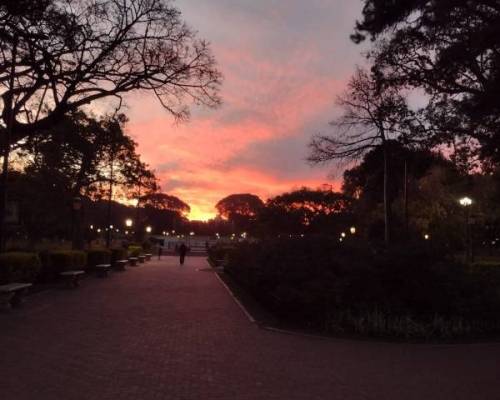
x=128, y=222
x=465, y=201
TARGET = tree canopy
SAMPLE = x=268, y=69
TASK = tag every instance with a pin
x=163, y=201
x=451, y=50
x=63, y=55
x=242, y=205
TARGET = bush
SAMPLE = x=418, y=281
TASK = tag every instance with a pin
x=19, y=267
x=57, y=261
x=410, y=290
x=135, y=251
x=98, y=256
x=219, y=251
x=147, y=246
x=118, y=254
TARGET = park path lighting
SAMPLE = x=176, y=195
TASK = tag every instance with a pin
x=466, y=202
x=352, y=229
x=427, y=236
x=129, y=222
x=76, y=223
x=148, y=229
x=342, y=234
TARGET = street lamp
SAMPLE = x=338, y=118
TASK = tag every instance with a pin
x=352, y=229
x=342, y=234
x=76, y=223
x=128, y=222
x=466, y=202
x=426, y=236
x=148, y=229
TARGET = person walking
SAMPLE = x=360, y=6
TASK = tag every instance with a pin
x=160, y=251
x=183, y=249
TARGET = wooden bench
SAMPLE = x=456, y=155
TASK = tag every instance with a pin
x=120, y=265
x=72, y=277
x=102, y=270
x=133, y=261
x=148, y=256
x=11, y=295
x=142, y=259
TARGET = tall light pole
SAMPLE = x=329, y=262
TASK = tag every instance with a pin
x=466, y=202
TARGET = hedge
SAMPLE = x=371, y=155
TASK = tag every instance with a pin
x=118, y=254
x=19, y=267
x=57, y=261
x=98, y=256
x=409, y=290
x=135, y=251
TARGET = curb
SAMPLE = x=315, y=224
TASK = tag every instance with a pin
x=242, y=307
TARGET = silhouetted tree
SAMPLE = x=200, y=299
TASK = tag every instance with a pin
x=451, y=50
x=240, y=209
x=372, y=115
x=57, y=56
x=307, y=211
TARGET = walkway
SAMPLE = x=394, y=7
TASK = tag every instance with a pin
x=164, y=332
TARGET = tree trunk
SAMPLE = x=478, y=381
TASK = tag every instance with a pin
x=110, y=200
x=386, y=197
x=406, y=199
x=9, y=106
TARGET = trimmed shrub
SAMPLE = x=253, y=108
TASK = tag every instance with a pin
x=147, y=246
x=19, y=267
x=57, y=261
x=134, y=251
x=118, y=254
x=218, y=252
x=410, y=291
x=98, y=256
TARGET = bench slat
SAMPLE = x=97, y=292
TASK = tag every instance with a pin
x=12, y=287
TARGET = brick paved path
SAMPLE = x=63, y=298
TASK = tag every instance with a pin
x=162, y=332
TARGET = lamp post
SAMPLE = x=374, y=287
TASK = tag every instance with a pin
x=77, y=223
x=352, y=229
x=466, y=202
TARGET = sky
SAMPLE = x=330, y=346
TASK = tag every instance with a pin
x=284, y=62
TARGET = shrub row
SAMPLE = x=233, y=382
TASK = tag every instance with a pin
x=19, y=267
x=410, y=291
x=47, y=265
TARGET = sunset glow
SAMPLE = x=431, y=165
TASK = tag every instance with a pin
x=281, y=77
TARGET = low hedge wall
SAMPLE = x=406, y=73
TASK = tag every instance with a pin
x=135, y=251
x=118, y=254
x=56, y=261
x=19, y=267
x=98, y=256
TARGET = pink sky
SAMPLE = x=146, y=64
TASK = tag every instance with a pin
x=283, y=62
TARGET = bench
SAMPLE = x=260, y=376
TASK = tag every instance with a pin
x=148, y=256
x=72, y=277
x=11, y=295
x=133, y=261
x=120, y=265
x=102, y=270
x=142, y=259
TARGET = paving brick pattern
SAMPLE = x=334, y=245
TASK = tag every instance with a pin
x=160, y=331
